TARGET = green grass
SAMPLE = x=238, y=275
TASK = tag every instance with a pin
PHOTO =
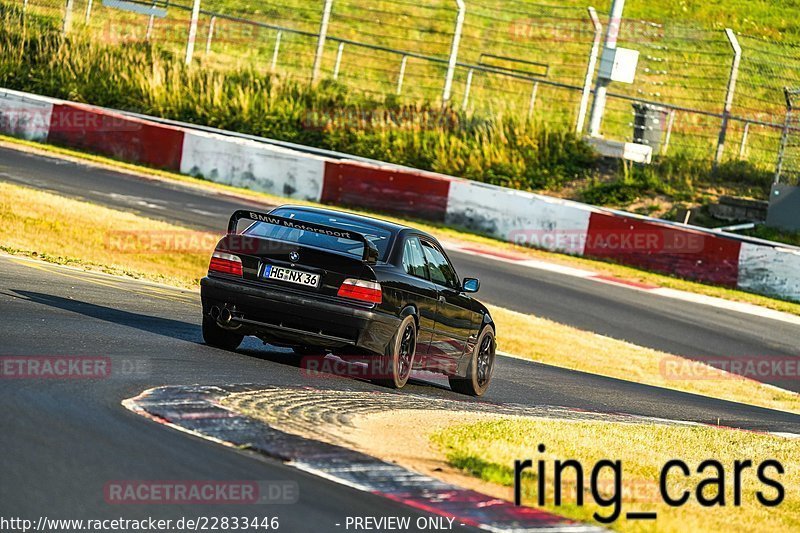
x=684, y=60
x=140, y=77
x=773, y=234
x=488, y=450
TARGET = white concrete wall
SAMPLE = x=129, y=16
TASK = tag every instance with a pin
x=252, y=165
x=518, y=216
x=26, y=116
x=770, y=270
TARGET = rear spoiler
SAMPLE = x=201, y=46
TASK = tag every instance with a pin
x=370, y=250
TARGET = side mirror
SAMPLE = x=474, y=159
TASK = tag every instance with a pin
x=471, y=285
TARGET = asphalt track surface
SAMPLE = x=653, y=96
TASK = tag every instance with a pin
x=673, y=326
x=63, y=440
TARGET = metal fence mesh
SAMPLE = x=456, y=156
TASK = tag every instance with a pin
x=788, y=168
x=525, y=59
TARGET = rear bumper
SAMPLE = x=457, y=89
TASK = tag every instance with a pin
x=291, y=317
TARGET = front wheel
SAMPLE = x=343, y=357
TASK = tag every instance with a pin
x=481, y=365
x=213, y=335
x=394, y=368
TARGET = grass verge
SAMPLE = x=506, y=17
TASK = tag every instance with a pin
x=488, y=450
x=67, y=231
x=439, y=230
x=545, y=341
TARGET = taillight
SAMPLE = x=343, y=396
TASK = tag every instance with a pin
x=225, y=263
x=358, y=289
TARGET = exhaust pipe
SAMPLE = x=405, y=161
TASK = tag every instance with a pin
x=225, y=316
x=214, y=312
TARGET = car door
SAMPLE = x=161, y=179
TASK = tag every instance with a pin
x=422, y=293
x=453, y=325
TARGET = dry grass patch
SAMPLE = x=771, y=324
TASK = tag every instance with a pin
x=66, y=231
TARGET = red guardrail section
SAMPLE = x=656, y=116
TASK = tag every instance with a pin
x=117, y=136
x=681, y=252
x=417, y=194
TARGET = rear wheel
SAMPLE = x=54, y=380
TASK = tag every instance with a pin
x=394, y=368
x=213, y=335
x=479, y=373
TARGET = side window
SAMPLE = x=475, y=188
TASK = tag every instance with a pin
x=413, y=258
x=442, y=272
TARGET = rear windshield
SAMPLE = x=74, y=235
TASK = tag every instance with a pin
x=379, y=237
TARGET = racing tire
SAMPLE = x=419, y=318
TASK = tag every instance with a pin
x=395, y=366
x=213, y=335
x=481, y=365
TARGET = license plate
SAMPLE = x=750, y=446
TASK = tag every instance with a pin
x=291, y=276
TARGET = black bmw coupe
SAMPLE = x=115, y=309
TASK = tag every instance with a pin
x=320, y=280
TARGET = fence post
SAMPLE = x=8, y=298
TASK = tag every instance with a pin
x=192, y=31
x=149, y=31
x=451, y=65
x=587, y=82
x=338, y=61
x=150, y=24
x=276, y=51
x=467, y=89
x=737, y=58
x=67, y=17
x=323, y=34
x=88, y=12
x=402, y=75
x=210, y=33
x=743, y=145
x=784, y=135
x=24, y=7
x=532, y=102
x=601, y=88
x=670, y=123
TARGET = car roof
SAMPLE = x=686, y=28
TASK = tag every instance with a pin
x=392, y=227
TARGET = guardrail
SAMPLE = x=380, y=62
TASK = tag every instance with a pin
x=519, y=217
